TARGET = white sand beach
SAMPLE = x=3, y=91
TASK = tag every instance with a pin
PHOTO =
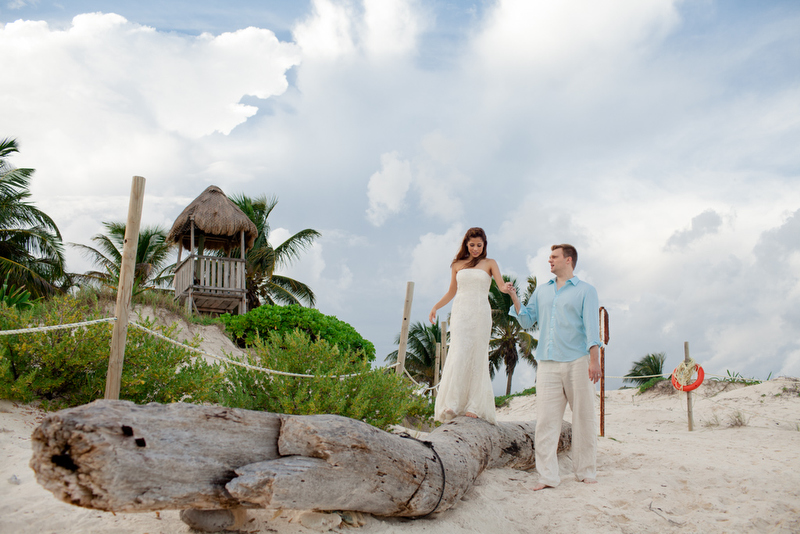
x=654, y=476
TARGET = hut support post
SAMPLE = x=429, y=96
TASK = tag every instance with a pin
x=242, y=276
x=120, y=333
x=401, y=348
x=189, y=297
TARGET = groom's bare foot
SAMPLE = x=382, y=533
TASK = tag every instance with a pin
x=589, y=481
x=470, y=414
x=538, y=487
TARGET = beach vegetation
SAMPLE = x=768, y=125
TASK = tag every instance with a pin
x=264, y=284
x=14, y=297
x=31, y=250
x=420, y=351
x=343, y=382
x=502, y=400
x=647, y=371
x=651, y=382
x=509, y=342
x=68, y=367
x=713, y=421
x=737, y=419
x=248, y=329
x=152, y=268
x=737, y=378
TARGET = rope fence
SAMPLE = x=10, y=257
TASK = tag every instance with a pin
x=56, y=327
x=181, y=345
x=423, y=387
x=667, y=375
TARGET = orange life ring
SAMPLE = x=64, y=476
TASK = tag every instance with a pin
x=700, y=375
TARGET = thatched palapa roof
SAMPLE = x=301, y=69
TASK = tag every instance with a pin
x=216, y=218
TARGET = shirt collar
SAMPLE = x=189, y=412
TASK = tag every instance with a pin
x=574, y=280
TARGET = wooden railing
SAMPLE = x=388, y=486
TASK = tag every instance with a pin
x=209, y=275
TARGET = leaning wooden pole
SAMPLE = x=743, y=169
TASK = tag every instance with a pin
x=122, y=457
x=401, y=348
x=604, y=339
x=126, y=272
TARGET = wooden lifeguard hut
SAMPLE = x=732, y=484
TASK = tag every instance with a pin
x=212, y=284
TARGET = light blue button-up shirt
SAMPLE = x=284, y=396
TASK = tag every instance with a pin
x=569, y=323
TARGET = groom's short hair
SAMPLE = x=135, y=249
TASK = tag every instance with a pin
x=569, y=252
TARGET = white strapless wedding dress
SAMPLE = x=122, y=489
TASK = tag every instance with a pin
x=466, y=385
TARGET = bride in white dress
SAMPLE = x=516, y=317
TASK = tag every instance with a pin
x=466, y=388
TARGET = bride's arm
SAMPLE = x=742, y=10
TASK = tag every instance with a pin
x=447, y=296
x=494, y=272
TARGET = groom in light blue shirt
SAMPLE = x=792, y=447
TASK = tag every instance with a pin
x=566, y=309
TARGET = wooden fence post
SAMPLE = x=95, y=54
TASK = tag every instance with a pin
x=443, y=330
x=126, y=272
x=688, y=393
x=401, y=349
x=436, y=367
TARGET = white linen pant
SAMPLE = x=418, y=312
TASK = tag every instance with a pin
x=559, y=383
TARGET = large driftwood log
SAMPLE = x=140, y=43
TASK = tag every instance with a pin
x=118, y=456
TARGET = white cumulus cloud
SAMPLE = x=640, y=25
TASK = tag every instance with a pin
x=387, y=188
x=105, y=68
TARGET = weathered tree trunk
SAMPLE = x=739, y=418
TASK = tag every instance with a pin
x=117, y=456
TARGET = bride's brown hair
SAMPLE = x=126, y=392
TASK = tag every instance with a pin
x=463, y=252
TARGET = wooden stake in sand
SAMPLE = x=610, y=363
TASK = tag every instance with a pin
x=122, y=457
x=126, y=272
x=688, y=393
x=443, y=334
x=436, y=367
x=401, y=348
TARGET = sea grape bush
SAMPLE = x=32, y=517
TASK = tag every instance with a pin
x=65, y=368
x=246, y=329
x=376, y=396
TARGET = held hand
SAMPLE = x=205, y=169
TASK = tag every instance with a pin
x=509, y=288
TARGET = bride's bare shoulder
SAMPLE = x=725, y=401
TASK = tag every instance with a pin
x=458, y=265
x=487, y=264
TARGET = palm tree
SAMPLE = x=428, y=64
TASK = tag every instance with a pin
x=263, y=285
x=644, y=369
x=152, y=269
x=31, y=251
x=420, y=351
x=509, y=340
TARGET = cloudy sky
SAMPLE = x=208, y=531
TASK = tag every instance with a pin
x=660, y=137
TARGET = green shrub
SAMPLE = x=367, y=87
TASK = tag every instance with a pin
x=14, y=297
x=643, y=370
x=650, y=383
x=246, y=329
x=502, y=400
x=68, y=367
x=375, y=396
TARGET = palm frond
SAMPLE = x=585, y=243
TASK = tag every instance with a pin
x=646, y=367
